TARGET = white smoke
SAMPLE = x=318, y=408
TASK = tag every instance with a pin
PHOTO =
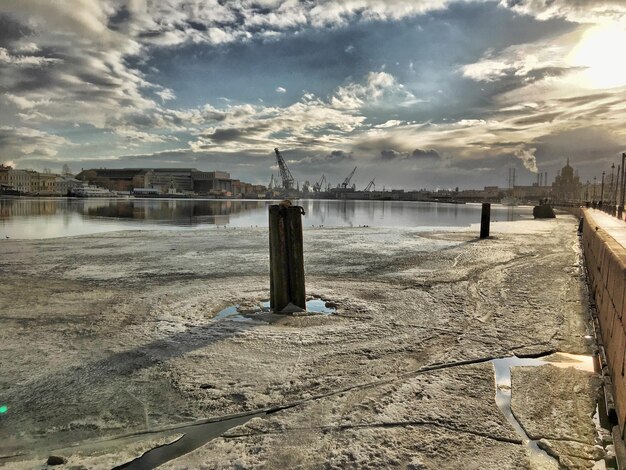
x=527, y=156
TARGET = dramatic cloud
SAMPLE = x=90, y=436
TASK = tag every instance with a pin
x=582, y=11
x=339, y=156
x=18, y=142
x=335, y=83
x=425, y=154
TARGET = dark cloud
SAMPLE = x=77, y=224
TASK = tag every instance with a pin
x=391, y=154
x=11, y=30
x=417, y=154
x=225, y=135
x=120, y=17
x=429, y=154
x=339, y=156
x=197, y=25
x=539, y=118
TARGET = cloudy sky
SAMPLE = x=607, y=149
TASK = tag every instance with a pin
x=422, y=93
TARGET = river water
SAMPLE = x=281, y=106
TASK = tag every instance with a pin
x=60, y=217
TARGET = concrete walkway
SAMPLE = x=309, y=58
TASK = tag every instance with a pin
x=612, y=225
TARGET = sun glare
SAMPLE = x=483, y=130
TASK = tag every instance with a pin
x=601, y=51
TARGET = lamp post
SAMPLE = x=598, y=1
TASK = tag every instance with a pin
x=621, y=202
x=602, y=190
x=594, y=191
x=614, y=205
x=611, y=188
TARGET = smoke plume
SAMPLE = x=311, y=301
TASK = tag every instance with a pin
x=527, y=156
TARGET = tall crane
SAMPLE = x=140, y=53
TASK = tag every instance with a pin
x=285, y=174
x=317, y=187
x=370, y=186
x=346, y=182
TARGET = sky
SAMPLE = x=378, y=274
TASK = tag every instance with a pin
x=415, y=94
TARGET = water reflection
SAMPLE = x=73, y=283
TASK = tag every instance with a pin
x=55, y=217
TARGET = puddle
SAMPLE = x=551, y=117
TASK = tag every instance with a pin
x=319, y=306
x=194, y=436
x=233, y=312
x=502, y=368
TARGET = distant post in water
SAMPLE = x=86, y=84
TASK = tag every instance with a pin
x=286, y=258
x=485, y=218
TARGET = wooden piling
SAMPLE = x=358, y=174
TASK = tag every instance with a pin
x=286, y=257
x=485, y=218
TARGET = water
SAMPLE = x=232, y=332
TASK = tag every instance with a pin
x=193, y=437
x=232, y=313
x=502, y=369
x=60, y=217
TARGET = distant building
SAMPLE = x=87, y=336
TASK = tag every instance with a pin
x=64, y=184
x=205, y=182
x=18, y=180
x=168, y=180
x=566, y=186
x=33, y=182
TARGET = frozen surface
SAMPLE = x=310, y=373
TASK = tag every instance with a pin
x=114, y=334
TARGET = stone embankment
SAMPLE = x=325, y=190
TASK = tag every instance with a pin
x=604, y=240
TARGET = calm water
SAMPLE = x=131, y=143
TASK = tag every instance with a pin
x=59, y=217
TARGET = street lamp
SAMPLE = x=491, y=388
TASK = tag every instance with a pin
x=594, y=189
x=614, y=205
x=602, y=190
x=621, y=201
x=611, y=187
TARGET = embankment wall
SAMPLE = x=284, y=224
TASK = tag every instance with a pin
x=606, y=266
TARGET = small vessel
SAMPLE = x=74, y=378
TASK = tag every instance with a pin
x=91, y=191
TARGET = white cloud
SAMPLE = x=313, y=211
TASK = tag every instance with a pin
x=165, y=94
x=521, y=59
x=380, y=88
x=580, y=11
x=17, y=142
x=280, y=89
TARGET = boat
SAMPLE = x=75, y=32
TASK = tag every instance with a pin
x=91, y=191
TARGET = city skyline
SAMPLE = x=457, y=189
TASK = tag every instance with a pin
x=431, y=93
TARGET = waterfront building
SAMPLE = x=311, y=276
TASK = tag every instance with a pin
x=63, y=184
x=212, y=182
x=19, y=180
x=168, y=180
x=42, y=183
x=566, y=186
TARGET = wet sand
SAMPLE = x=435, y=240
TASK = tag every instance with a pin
x=113, y=334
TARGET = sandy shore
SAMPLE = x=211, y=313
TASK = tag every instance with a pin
x=111, y=334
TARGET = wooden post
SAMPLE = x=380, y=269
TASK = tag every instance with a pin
x=485, y=218
x=286, y=258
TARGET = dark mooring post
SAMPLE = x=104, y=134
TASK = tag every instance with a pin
x=485, y=218
x=286, y=258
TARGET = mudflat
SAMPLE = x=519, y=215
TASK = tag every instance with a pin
x=110, y=346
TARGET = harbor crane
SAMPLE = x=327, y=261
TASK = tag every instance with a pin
x=319, y=186
x=346, y=182
x=285, y=174
x=370, y=185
